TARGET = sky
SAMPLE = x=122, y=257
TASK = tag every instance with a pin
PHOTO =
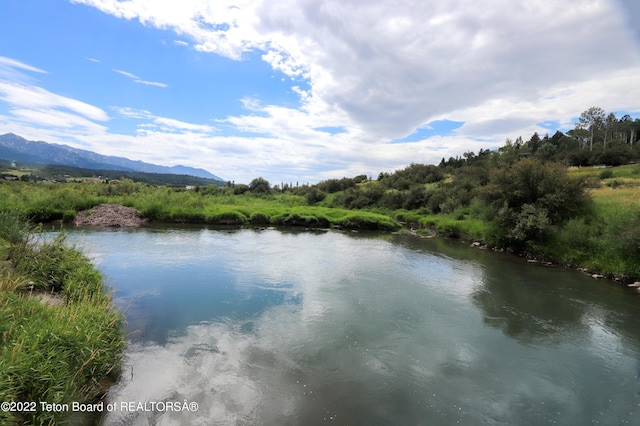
x=307, y=90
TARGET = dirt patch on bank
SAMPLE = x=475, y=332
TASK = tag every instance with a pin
x=113, y=215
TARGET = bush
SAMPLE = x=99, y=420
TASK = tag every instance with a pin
x=260, y=186
x=314, y=196
x=606, y=174
x=530, y=198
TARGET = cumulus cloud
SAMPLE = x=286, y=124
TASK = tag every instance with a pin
x=382, y=70
x=391, y=67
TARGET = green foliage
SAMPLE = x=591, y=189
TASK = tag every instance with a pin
x=48, y=353
x=314, y=196
x=530, y=198
x=296, y=219
x=259, y=218
x=335, y=185
x=227, y=218
x=606, y=174
x=260, y=186
x=240, y=189
x=14, y=228
x=365, y=220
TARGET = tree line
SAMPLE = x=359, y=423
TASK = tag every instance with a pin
x=522, y=188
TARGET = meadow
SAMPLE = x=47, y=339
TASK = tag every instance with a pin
x=607, y=239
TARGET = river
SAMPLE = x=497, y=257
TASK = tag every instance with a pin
x=277, y=327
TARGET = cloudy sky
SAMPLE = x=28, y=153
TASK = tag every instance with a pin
x=306, y=90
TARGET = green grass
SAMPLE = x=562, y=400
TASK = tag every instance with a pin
x=49, y=202
x=627, y=171
x=51, y=353
x=600, y=241
x=607, y=240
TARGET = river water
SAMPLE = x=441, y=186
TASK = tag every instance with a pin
x=273, y=327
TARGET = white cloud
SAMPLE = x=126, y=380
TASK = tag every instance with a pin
x=379, y=70
x=12, y=63
x=151, y=83
x=137, y=79
x=37, y=98
x=165, y=124
x=126, y=74
x=389, y=67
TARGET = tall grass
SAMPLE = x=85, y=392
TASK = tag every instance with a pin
x=607, y=240
x=54, y=354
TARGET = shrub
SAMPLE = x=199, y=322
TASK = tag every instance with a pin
x=606, y=174
x=314, y=196
x=260, y=186
x=530, y=198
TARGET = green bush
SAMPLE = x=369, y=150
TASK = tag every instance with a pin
x=529, y=199
x=314, y=196
x=606, y=174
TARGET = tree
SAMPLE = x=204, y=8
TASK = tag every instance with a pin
x=260, y=186
x=609, y=123
x=534, y=143
x=592, y=120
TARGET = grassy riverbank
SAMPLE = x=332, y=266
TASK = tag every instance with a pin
x=599, y=231
x=44, y=202
x=603, y=240
x=61, y=339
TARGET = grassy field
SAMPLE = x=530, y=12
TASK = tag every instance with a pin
x=607, y=240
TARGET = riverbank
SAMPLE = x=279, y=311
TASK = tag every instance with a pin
x=604, y=239
x=62, y=339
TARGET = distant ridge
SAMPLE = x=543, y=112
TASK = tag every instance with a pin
x=17, y=148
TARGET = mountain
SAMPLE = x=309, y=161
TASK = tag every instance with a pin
x=17, y=148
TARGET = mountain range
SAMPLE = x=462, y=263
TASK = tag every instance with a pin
x=17, y=148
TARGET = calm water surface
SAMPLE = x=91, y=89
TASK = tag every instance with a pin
x=268, y=327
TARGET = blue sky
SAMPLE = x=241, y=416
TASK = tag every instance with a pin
x=302, y=90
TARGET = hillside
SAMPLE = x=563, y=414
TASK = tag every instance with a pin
x=17, y=148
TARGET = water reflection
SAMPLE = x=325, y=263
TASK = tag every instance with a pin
x=265, y=327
